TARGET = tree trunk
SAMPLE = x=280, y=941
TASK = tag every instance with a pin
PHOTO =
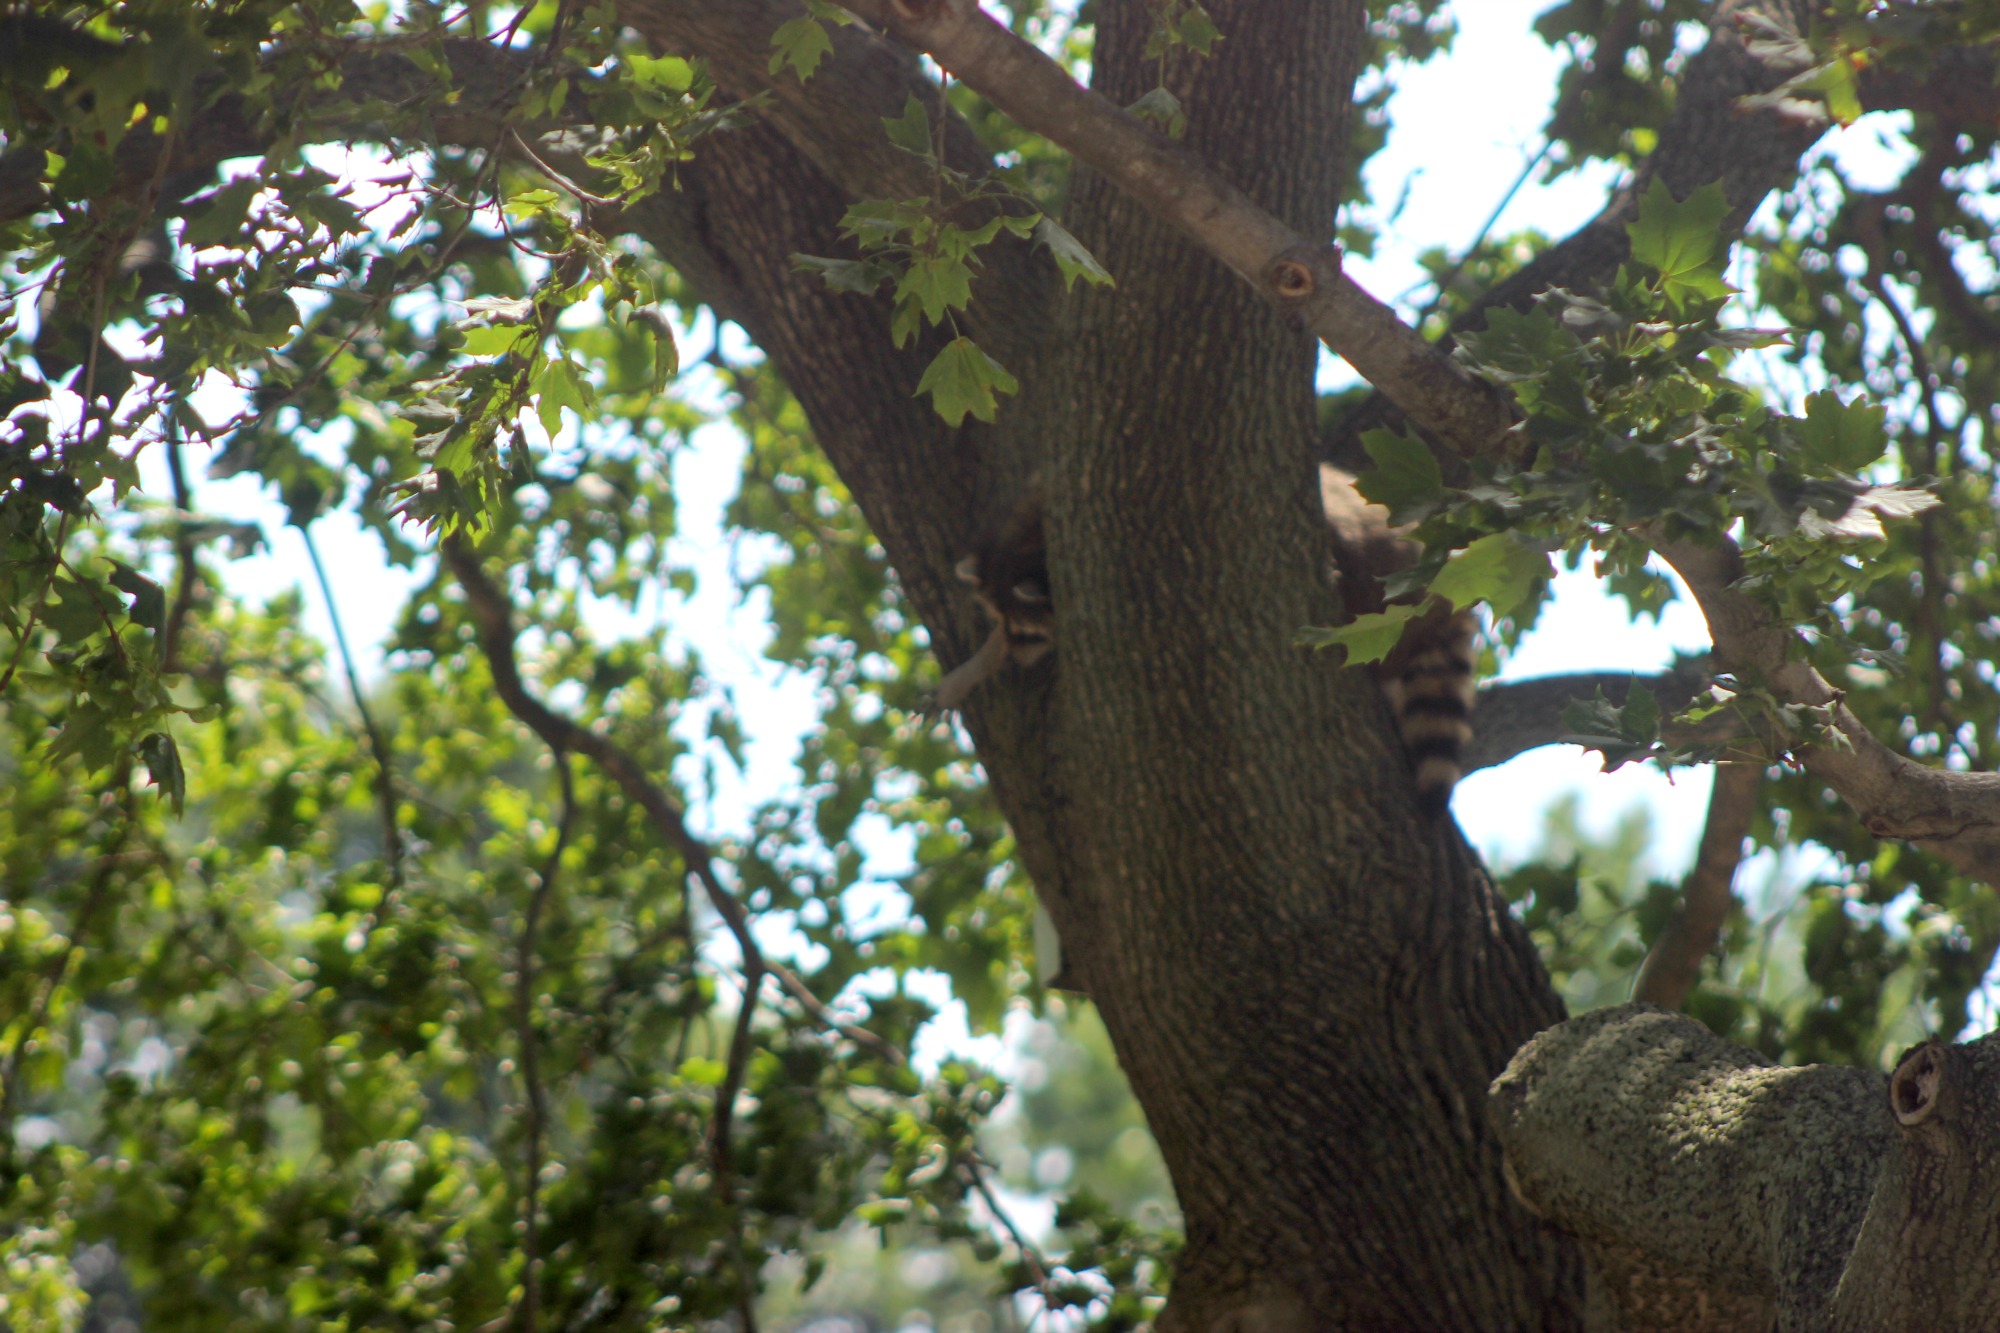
x=1309, y=985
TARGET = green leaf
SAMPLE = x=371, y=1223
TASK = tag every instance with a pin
x=559, y=386
x=910, y=131
x=1406, y=479
x=801, y=43
x=877, y=222
x=1162, y=109
x=673, y=74
x=75, y=613
x=1841, y=436
x=1835, y=81
x=1623, y=735
x=1197, y=29
x=1500, y=569
x=1367, y=638
x=488, y=341
x=963, y=378
x=149, y=599
x=163, y=767
x=218, y=219
x=1071, y=257
x=1518, y=345
x=703, y=1072
x=846, y=275
x=938, y=283
x=1678, y=241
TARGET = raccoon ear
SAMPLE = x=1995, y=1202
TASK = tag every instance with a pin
x=967, y=570
x=1030, y=590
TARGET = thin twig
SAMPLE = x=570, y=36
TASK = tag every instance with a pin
x=528, y=1315
x=184, y=552
x=721, y=1132
x=1038, y=1267
x=385, y=786
x=493, y=617
x=1930, y=592
x=1674, y=963
x=583, y=195
x=1450, y=276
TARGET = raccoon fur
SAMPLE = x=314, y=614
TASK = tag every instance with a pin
x=1427, y=678
x=1008, y=572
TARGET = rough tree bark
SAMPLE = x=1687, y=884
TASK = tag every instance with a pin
x=1308, y=985
x=1221, y=826
x=1719, y=1191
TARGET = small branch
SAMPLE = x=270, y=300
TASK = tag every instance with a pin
x=1301, y=277
x=494, y=617
x=528, y=1314
x=1674, y=962
x=385, y=785
x=186, y=575
x=582, y=195
x=1031, y=1255
x=1514, y=717
x=721, y=1130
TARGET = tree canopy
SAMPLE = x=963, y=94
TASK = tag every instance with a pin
x=422, y=1002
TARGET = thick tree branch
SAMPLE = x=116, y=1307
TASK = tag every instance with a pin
x=1710, y=139
x=1298, y=275
x=1838, y=1200
x=1521, y=715
x=1674, y=963
x=834, y=121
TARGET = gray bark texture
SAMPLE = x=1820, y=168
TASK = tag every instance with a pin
x=1714, y=1190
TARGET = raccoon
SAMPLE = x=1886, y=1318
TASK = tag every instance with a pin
x=1008, y=572
x=1427, y=678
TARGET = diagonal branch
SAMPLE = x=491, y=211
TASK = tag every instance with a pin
x=1299, y=275
x=1674, y=962
x=378, y=745
x=493, y=617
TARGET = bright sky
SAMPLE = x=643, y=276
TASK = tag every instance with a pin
x=1456, y=164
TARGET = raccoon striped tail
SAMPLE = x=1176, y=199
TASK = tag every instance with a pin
x=1428, y=683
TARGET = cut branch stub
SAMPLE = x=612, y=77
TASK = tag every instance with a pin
x=1303, y=270
x=1701, y=1177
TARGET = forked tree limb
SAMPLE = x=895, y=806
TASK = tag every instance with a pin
x=1725, y=1192
x=1955, y=816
